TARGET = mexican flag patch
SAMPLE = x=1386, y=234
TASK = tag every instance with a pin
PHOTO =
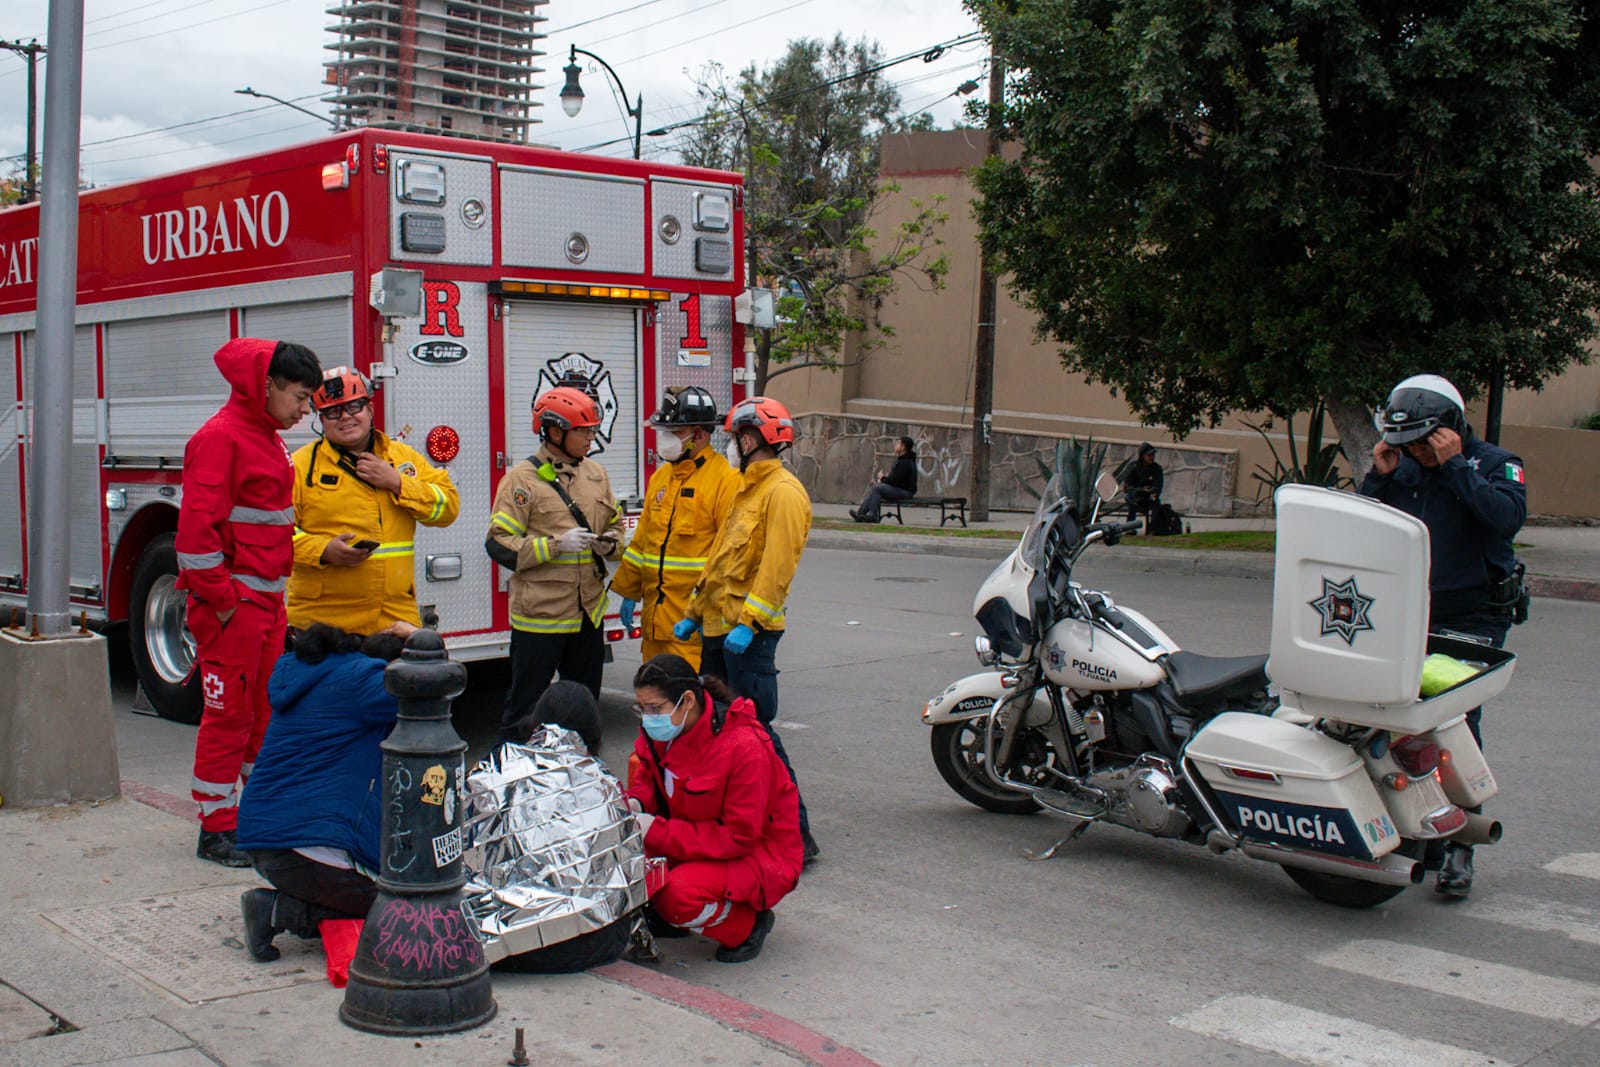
x=1514, y=473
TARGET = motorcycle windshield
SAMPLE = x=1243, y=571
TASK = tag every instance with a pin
x=1054, y=528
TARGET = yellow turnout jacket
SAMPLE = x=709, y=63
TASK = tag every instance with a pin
x=754, y=557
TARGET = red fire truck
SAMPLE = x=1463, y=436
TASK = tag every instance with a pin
x=531, y=266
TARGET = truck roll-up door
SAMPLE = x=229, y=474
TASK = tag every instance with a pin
x=544, y=340
x=84, y=565
x=321, y=325
x=161, y=383
x=10, y=463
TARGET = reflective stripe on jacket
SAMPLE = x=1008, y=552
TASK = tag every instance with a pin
x=754, y=557
x=685, y=505
x=235, y=522
x=551, y=591
x=329, y=501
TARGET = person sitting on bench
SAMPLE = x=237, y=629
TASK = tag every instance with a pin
x=899, y=484
x=1142, y=486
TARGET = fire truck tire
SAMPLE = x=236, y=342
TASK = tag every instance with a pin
x=163, y=650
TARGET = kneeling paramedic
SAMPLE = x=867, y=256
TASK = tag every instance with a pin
x=555, y=520
x=685, y=504
x=1473, y=497
x=358, y=496
x=714, y=800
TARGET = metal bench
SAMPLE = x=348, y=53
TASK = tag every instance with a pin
x=951, y=508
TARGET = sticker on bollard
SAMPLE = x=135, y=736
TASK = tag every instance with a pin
x=419, y=967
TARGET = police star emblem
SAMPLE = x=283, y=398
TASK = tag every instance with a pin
x=1343, y=609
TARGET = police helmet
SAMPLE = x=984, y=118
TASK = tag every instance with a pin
x=1418, y=406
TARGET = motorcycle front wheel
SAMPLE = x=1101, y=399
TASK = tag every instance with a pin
x=958, y=753
x=1351, y=892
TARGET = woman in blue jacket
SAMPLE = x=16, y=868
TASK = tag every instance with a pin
x=309, y=816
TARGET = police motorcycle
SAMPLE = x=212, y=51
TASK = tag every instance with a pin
x=1321, y=756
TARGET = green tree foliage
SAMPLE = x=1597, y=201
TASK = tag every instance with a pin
x=1259, y=205
x=806, y=133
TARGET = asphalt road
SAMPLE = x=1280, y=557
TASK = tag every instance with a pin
x=924, y=936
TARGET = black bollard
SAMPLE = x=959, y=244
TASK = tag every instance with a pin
x=419, y=968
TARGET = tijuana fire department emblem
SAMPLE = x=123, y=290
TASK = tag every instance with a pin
x=1343, y=609
x=577, y=370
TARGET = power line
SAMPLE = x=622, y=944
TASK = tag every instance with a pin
x=171, y=29
x=174, y=126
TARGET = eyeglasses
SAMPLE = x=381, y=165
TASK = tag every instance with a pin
x=339, y=411
x=642, y=710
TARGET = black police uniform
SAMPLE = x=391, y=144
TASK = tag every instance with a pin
x=1473, y=505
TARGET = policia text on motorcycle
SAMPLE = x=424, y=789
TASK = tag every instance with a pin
x=555, y=520
x=358, y=496
x=1473, y=497
x=685, y=504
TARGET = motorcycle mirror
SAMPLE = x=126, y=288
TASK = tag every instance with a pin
x=1106, y=486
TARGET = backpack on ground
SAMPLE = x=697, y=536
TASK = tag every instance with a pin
x=1165, y=521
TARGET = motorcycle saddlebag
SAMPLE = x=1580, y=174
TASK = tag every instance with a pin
x=1287, y=785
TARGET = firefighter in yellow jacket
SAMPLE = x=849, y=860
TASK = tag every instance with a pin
x=555, y=519
x=739, y=604
x=358, y=496
x=684, y=506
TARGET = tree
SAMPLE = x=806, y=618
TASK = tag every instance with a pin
x=1253, y=205
x=806, y=132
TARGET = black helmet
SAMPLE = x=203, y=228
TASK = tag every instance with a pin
x=1418, y=406
x=685, y=405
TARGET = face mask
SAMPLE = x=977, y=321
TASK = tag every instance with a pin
x=670, y=447
x=735, y=458
x=661, y=727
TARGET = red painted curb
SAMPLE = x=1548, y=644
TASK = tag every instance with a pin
x=1564, y=588
x=182, y=807
x=775, y=1030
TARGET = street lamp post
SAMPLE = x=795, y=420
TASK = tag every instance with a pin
x=572, y=93
x=247, y=91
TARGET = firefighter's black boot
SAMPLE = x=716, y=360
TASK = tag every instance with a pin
x=257, y=907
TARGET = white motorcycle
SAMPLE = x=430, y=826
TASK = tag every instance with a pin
x=1321, y=757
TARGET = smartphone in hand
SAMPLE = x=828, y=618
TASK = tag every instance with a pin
x=365, y=546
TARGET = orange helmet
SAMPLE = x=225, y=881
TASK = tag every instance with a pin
x=340, y=386
x=764, y=415
x=564, y=408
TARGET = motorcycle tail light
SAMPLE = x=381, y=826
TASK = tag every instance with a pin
x=1446, y=821
x=1417, y=758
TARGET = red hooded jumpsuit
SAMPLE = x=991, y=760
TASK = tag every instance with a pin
x=727, y=821
x=235, y=550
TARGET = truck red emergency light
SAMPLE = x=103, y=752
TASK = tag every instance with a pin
x=535, y=266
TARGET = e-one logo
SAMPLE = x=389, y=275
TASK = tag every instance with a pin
x=249, y=222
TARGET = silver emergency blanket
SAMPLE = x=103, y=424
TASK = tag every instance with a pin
x=550, y=849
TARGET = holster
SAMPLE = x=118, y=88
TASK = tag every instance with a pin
x=1510, y=595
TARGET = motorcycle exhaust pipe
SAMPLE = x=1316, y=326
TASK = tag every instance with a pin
x=1392, y=869
x=1479, y=830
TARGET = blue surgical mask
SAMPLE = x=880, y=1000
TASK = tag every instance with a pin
x=661, y=727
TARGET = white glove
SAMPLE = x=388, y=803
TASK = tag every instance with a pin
x=644, y=819
x=574, y=540
x=634, y=805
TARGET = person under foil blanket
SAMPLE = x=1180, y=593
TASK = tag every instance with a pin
x=713, y=799
x=309, y=818
x=555, y=867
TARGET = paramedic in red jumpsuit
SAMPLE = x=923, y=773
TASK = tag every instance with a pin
x=715, y=800
x=235, y=551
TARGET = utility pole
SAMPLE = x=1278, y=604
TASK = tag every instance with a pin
x=988, y=298
x=30, y=52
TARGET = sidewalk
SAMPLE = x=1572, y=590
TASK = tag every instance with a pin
x=1563, y=561
x=117, y=945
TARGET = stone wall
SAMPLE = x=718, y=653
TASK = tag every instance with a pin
x=835, y=457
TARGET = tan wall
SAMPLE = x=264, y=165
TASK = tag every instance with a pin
x=923, y=375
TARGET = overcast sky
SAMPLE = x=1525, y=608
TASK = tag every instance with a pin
x=150, y=65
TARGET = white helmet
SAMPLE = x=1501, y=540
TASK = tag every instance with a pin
x=1418, y=406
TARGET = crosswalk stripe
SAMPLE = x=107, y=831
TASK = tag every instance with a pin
x=1582, y=864
x=1527, y=913
x=1493, y=985
x=1307, y=1036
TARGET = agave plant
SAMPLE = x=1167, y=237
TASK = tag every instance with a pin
x=1077, y=465
x=1321, y=465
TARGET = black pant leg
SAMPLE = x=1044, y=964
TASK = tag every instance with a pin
x=534, y=658
x=583, y=657
x=312, y=891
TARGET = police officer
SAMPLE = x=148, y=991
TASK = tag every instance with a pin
x=684, y=506
x=1473, y=497
x=554, y=519
x=358, y=496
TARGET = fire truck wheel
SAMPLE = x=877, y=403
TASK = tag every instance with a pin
x=163, y=649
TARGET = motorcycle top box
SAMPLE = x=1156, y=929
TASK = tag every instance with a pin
x=1350, y=616
x=1287, y=785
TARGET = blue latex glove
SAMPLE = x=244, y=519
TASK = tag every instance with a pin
x=626, y=611
x=738, y=639
x=684, y=629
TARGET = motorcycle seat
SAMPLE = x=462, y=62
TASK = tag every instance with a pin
x=1201, y=679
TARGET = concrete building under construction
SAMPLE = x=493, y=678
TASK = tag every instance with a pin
x=461, y=68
